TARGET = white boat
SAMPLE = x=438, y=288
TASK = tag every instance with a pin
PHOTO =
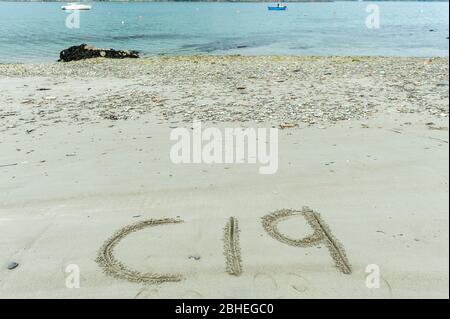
x=76, y=6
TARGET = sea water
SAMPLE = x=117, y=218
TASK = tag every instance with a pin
x=37, y=32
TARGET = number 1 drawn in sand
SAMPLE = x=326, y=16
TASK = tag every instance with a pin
x=232, y=250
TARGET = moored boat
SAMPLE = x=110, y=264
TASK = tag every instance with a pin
x=76, y=6
x=278, y=7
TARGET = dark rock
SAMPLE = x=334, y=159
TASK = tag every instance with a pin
x=84, y=51
x=194, y=257
x=13, y=265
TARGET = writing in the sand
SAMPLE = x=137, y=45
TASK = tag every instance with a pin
x=321, y=235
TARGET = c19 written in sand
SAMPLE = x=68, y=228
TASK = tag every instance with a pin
x=232, y=252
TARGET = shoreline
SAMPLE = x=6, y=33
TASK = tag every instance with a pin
x=237, y=55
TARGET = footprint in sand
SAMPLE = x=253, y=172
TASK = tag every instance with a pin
x=265, y=280
x=298, y=283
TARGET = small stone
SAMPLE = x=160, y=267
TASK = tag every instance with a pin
x=13, y=265
x=194, y=257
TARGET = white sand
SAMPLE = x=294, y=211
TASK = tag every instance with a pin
x=386, y=201
x=383, y=191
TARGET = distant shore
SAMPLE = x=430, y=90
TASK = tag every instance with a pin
x=229, y=1
x=131, y=1
x=256, y=1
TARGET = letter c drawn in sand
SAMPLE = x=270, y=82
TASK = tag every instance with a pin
x=113, y=267
x=322, y=234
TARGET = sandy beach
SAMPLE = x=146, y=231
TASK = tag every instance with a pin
x=84, y=152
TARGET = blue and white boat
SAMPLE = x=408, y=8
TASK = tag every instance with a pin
x=278, y=7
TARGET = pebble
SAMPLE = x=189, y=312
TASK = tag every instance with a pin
x=194, y=257
x=13, y=265
x=217, y=89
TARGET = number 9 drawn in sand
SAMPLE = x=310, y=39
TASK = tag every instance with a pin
x=322, y=234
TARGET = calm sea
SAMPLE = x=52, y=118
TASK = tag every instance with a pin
x=37, y=31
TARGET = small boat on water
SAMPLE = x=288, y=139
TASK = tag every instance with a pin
x=278, y=7
x=76, y=6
